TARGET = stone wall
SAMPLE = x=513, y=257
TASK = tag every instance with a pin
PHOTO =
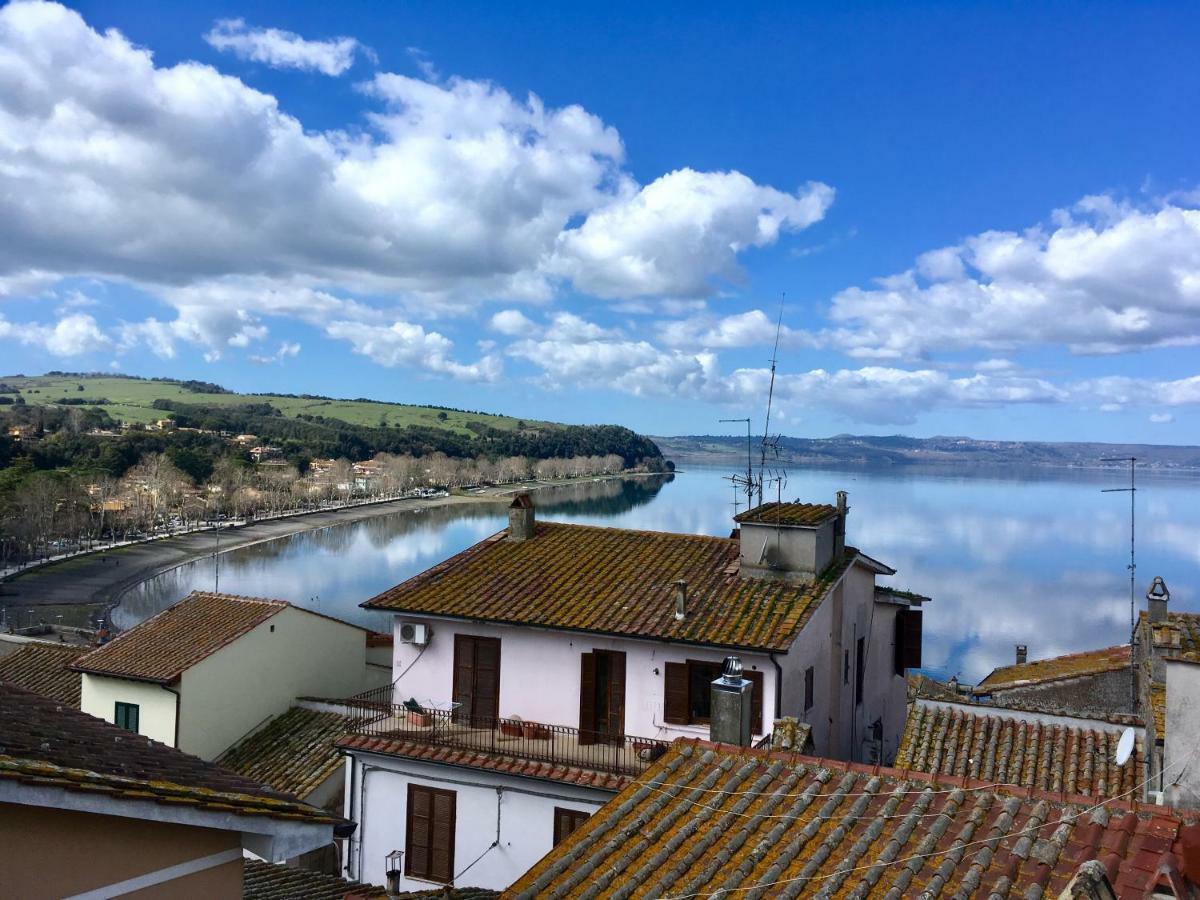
x=1107, y=692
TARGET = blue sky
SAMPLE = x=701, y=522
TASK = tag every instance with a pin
x=984, y=217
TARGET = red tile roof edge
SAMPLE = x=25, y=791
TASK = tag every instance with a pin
x=503, y=765
x=80, y=664
x=1099, y=669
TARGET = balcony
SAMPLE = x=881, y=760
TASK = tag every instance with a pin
x=377, y=716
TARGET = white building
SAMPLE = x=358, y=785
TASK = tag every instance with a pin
x=550, y=663
x=214, y=667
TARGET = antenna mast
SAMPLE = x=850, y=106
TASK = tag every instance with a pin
x=746, y=482
x=1132, y=491
x=766, y=440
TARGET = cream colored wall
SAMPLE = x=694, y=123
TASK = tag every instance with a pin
x=260, y=675
x=156, y=705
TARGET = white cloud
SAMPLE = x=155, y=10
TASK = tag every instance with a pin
x=512, y=322
x=287, y=349
x=1106, y=278
x=282, y=49
x=748, y=329
x=199, y=191
x=406, y=344
x=676, y=234
x=73, y=335
x=1162, y=418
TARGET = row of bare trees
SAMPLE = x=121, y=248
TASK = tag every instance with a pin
x=51, y=513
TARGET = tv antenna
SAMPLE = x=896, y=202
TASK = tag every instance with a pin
x=767, y=440
x=747, y=482
x=1132, y=491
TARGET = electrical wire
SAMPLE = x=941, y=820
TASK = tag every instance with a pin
x=955, y=847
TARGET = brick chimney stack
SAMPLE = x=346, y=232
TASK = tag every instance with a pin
x=520, y=518
x=1157, y=598
x=1022, y=654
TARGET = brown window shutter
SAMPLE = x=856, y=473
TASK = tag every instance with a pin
x=616, y=694
x=756, y=701
x=907, y=640
x=675, y=693
x=566, y=821
x=441, y=861
x=487, y=681
x=587, y=698
x=464, y=676
x=420, y=810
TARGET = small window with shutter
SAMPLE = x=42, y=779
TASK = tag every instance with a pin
x=429, y=848
x=566, y=821
x=907, y=643
x=687, y=693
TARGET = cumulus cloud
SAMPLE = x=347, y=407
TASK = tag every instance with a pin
x=406, y=344
x=201, y=192
x=1107, y=277
x=512, y=322
x=1162, y=418
x=73, y=335
x=673, y=235
x=287, y=349
x=282, y=49
x=746, y=329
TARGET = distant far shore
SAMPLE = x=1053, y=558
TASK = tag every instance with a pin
x=81, y=588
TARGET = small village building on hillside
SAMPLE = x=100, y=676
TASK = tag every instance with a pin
x=87, y=809
x=1023, y=747
x=718, y=820
x=573, y=655
x=213, y=668
x=45, y=668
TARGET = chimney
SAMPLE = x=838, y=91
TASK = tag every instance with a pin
x=680, y=599
x=1022, y=654
x=731, y=705
x=1157, y=598
x=520, y=518
x=839, y=528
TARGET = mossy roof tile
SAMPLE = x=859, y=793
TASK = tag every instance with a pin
x=44, y=669
x=295, y=752
x=716, y=820
x=616, y=581
x=1056, y=668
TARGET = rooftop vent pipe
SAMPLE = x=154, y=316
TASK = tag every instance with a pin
x=520, y=518
x=680, y=600
x=1022, y=654
x=1157, y=598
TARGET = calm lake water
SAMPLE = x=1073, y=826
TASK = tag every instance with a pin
x=1036, y=557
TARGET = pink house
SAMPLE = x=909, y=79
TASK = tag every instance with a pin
x=572, y=655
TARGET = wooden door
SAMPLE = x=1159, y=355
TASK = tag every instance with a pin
x=476, y=680
x=602, y=697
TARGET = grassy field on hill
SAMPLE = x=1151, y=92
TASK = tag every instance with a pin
x=131, y=400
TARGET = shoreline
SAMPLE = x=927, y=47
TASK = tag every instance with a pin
x=93, y=583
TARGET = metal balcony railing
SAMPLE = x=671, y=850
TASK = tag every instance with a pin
x=376, y=715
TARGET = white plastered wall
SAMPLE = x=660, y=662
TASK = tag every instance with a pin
x=156, y=705
x=259, y=675
x=1181, y=759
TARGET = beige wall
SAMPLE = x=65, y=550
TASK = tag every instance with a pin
x=236, y=689
x=1181, y=771
x=156, y=705
x=50, y=853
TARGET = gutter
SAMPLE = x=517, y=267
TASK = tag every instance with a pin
x=178, y=698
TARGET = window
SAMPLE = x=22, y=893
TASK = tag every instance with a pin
x=808, y=688
x=688, y=693
x=126, y=716
x=566, y=821
x=907, y=645
x=860, y=669
x=429, y=851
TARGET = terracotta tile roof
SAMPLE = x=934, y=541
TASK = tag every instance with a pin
x=1056, y=668
x=453, y=756
x=266, y=881
x=294, y=753
x=42, y=668
x=1067, y=755
x=164, y=646
x=616, y=581
x=708, y=818
x=48, y=744
x=773, y=513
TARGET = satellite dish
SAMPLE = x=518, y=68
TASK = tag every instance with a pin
x=1125, y=746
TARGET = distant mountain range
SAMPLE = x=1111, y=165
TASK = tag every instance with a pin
x=850, y=449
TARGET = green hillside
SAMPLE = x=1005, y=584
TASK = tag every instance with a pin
x=131, y=400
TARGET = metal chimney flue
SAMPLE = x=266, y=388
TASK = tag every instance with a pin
x=731, y=710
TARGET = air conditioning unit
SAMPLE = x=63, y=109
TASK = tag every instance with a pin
x=414, y=633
